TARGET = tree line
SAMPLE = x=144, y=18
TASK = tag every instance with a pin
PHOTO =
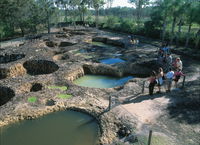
x=164, y=19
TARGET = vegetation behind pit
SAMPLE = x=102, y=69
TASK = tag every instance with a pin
x=176, y=21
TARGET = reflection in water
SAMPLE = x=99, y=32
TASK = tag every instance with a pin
x=60, y=128
x=99, y=81
x=111, y=60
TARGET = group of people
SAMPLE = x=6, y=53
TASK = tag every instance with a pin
x=133, y=40
x=173, y=71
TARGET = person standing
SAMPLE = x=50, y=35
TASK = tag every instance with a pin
x=169, y=61
x=160, y=79
x=177, y=76
x=178, y=64
x=169, y=78
x=152, y=83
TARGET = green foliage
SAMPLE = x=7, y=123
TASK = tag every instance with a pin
x=127, y=25
x=62, y=88
x=111, y=22
x=64, y=96
x=32, y=99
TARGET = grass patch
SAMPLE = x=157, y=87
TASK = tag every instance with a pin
x=32, y=99
x=62, y=88
x=64, y=96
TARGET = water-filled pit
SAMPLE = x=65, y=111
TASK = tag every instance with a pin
x=100, y=81
x=58, y=128
x=112, y=60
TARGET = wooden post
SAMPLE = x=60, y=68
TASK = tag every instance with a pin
x=150, y=135
x=183, y=84
x=143, y=87
x=110, y=102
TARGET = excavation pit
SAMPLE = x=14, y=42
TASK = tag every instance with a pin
x=51, y=44
x=66, y=43
x=10, y=58
x=101, y=81
x=71, y=127
x=112, y=60
x=36, y=87
x=40, y=67
x=5, y=94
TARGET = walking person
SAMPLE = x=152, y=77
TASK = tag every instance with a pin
x=152, y=83
x=177, y=76
x=160, y=76
x=169, y=78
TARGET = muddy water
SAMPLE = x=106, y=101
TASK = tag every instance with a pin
x=100, y=81
x=60, y=128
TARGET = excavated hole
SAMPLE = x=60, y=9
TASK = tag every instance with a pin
x=5, y=94
x=51, y=44
x=39, y=67
x=66, y=43
x=3, y=73
x=36, y=87
x=10, y=58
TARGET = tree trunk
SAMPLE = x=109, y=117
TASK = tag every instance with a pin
x=179, y=33
x=139, y=9
x=172, y=32
x=48, y=23
x=164, y=30
x=197, y=45
x=97, y=17
x=22, y=31
x=188, y=35
x=66, y=16
x=83, y=17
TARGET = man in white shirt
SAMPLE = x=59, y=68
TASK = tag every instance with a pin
x=169, y=77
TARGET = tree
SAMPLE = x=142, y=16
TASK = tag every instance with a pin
x=96, y=4
x=190, y=18
x=176, y=9
x=46, y=10
x=139, y=4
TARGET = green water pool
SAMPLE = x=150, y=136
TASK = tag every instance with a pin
x=100, y=81
x=60, y=128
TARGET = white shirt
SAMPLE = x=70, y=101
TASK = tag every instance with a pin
x=179, y=64
x=170, y=74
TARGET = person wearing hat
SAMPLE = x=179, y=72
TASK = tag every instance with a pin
x=178, y=64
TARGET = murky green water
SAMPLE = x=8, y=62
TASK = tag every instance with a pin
x=60, y=128
x=100, y=81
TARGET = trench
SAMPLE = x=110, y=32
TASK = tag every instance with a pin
x=58, y=128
